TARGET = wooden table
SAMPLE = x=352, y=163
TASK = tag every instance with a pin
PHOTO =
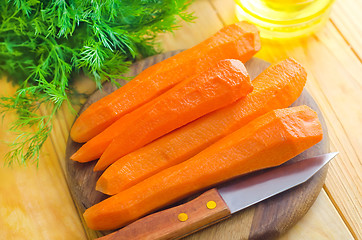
x=36, y=203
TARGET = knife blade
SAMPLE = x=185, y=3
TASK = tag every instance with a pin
x=219, y=203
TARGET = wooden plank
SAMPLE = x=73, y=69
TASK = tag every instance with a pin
x=63, y=122
x=58, y=138
x=334, y=81
x=322, y=213
x=346, y=16
x=35, y=202
x=190, y=34
x=226, y=10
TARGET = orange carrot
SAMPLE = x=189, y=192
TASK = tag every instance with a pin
x=277, y=87
x=267, y=141
x=237, y=41
x=223, y=84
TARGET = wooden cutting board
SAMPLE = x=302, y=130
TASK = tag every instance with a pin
x=265, y=220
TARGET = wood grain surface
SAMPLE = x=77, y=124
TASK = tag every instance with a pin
x=36, y=202
x=266, y=220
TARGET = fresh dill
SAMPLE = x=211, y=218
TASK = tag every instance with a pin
x=45, y=43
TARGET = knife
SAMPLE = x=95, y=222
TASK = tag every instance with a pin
x=219, y=203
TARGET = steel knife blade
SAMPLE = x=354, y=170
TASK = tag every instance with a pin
x=219, y=203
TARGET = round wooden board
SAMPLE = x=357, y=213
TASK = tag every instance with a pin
x=265, y=220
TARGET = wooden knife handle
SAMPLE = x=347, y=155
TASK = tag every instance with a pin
x=178, y=221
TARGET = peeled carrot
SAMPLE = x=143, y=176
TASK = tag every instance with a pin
x=237, y=41
x=223, y=84
x=267, y=141
x=276, y=87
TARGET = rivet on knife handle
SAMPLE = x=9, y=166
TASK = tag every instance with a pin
x=200, y=213
x=211, y=204
x=182, y=217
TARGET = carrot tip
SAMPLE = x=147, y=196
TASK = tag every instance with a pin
x=98, y=167
x=100, y=185
x=74, y=156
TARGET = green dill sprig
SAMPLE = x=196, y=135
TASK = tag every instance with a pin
x=45, y=43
